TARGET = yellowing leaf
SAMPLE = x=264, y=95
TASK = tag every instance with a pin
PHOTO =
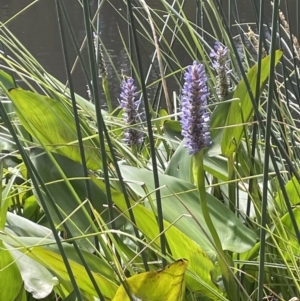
x=203, y=274
x=164, y=285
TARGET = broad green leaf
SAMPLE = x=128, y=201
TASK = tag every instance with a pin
x=241, y=111
x=219, y=116
x=164, y=285
x=78, y=221
x=4, y=198
x=31, y=208
x=163, y=113
x=217, y=167
x=24, y=227
x=71, y=297
x=86, y=105
x=52, y=124
x=23, y=295
x=7, y=80
x=95, y=263
x=180, y=165
x=10, y=277
x=172, y=130
x=217, y=122
x=203, y=274
x=37, y=279
x=293, y=191
x=53, y=261
x=286, y=235
x=233, y=234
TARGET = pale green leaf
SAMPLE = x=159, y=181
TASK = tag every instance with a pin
x=37, y=279
x=241, y=111
x=176, y=194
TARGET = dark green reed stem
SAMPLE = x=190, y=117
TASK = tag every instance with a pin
x=81, y=147
x=257, y=93
x=268, y=149
x=232, y=185
x=99, y=117
x=37, y=182
x=130, y=42
x=229, y=12
x=199, y=21
x=74, y=40
x=150, y=134
x=74, y=105
x=262, y=127
x=260, y=19
x=295, y=61
x=100, y=63
x=297, y=17
x=237, y=18
x=124, y=191
x=156, y=103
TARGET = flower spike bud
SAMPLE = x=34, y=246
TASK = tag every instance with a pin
x=220, y=59
x=195, y=117
x=102, y=72
x=132, y=136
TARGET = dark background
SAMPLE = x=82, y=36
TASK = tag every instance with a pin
x=37, y=29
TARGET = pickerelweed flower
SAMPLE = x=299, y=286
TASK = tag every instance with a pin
x=102, y=72
x=132, y=136
x=195, y=117
x=220, y=59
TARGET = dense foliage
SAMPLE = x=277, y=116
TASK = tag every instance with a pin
x=197, y=201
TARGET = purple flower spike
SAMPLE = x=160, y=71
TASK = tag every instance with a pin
x=131, y=115
x=220, y=60
x=195, y=117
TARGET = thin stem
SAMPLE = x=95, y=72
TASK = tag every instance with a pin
x=224, y=261
x=151, y=137
x=267, y=156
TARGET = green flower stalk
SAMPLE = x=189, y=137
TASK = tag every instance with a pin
x=132, y=135
x=220, y=60
x=195, y=130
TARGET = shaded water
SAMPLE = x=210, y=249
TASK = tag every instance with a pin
x=37, y=28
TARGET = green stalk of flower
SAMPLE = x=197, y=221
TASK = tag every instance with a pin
x=195, y=130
